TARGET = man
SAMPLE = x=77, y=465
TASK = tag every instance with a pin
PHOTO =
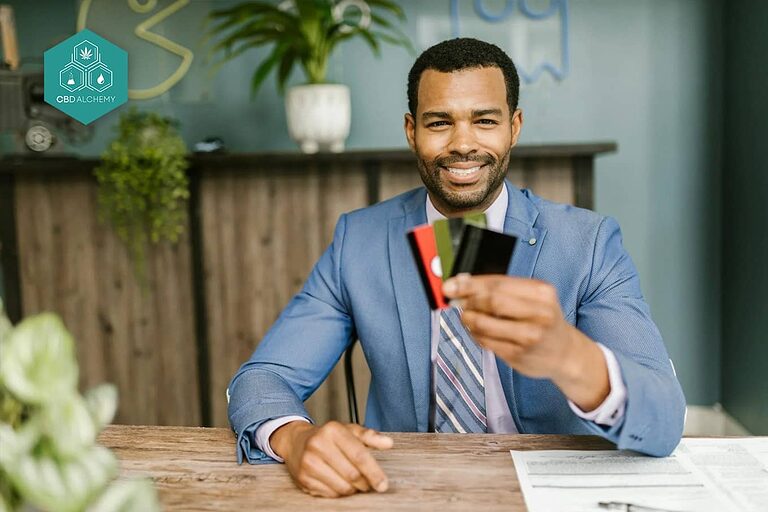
x=562, y=344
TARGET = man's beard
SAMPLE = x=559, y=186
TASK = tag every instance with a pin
x=496, y=171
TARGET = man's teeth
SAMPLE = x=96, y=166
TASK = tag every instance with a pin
x=463, y=172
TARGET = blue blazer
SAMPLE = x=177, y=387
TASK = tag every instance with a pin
x=366, y=286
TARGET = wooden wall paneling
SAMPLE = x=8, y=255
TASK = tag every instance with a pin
x=583, y=182
x=230, y=274
x=550, y=178
x=9, y=249
x=342, y=189
x=398, y=177
x=257, y=256
x=140, y=341
x=515, y=172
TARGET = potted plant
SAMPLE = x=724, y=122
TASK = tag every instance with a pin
x=305, y=32
x=143, y=186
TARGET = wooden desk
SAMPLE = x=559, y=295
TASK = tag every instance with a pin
x=195, y=469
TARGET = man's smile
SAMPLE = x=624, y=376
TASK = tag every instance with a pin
x=463, y=173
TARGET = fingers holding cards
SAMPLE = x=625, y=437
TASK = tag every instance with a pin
x=504, y=296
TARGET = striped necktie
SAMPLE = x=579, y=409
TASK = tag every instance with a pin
x=459, y=386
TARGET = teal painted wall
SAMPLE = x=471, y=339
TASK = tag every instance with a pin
x=745, y=212
x=643, y=73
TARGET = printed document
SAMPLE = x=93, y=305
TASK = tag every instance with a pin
x=703, y=474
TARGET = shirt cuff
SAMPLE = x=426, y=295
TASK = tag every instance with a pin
x=612, y=409
x=266, y=429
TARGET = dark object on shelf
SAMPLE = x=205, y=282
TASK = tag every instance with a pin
x=37, y=124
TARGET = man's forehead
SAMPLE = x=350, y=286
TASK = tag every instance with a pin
x=468, y=89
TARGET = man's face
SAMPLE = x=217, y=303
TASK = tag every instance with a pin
x=462, y=134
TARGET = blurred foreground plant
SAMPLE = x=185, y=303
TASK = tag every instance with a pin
x=49, y=459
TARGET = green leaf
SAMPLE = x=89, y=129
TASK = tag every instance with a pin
x=38, y=364
x=63, y=485
x=390, y=6
x=137, y=495
x=16, y=443
x=372, y=42
x=265, y=67
x=101, y=402
x=284, y=71
x=69, y=425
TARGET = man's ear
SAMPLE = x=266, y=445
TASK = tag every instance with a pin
x=517, y=125
x=410, y=130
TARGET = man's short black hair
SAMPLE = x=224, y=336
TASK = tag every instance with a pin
x=459, y=54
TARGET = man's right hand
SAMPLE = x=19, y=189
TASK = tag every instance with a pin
x=332, y=460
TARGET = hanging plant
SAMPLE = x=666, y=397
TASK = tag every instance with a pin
x=143, y=185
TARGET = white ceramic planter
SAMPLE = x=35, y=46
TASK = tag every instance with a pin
x=319, y=116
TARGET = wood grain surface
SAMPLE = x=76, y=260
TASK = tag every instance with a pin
x=143, y=341
x=262, y=234
x=194, y=469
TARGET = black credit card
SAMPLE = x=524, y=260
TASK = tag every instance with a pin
x=483, y=251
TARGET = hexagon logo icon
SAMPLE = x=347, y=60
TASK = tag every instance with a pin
x=100, y=78
x=85, y=53
x=72, y=78
x=86, y=76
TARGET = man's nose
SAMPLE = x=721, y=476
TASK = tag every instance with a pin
x=462, y=140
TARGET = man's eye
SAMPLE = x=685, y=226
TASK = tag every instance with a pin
x=487, y=121
x=437, y=123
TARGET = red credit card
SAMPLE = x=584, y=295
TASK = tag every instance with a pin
x=424, y=248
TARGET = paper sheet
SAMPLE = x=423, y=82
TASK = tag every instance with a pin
x=703, y=474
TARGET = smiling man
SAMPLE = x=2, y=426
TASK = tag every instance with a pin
x=562, y=344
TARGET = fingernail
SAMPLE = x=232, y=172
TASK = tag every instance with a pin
x=383, y=486
x=449, y=286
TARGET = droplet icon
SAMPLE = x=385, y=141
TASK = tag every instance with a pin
x=100, y=80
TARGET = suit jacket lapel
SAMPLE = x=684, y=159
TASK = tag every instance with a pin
x=412, y=305
x=520, y=219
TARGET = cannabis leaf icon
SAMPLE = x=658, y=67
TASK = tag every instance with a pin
x=86, y=54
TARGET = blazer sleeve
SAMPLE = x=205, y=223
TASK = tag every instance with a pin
x=613, y=312
x=296, y=355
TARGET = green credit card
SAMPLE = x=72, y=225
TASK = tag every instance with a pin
x=448, y=233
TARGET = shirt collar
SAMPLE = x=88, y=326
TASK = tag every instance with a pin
x=495, y=214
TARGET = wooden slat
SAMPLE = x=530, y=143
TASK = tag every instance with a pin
x=262, y=234
x=195, y=469
x=550, y=178
x=141, y=341
x=397, y=177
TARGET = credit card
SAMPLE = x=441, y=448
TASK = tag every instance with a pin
x=482, y=251
x=424, y=249
x=448, y=236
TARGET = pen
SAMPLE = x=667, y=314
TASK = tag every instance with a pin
x=630, y=507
